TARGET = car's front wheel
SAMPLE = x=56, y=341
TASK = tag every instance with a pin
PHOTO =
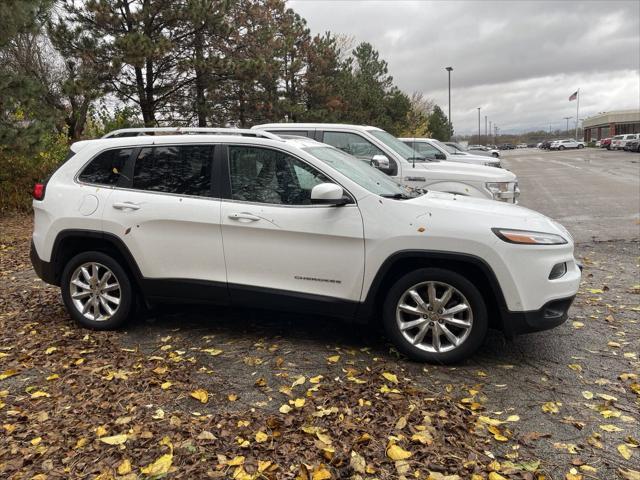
x=435, y=315
x=97, y=291
x=561, y=147
x=580, y=146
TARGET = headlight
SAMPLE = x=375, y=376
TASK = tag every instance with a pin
x=527, y=237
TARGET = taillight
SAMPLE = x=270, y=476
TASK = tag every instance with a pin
x=38, y=191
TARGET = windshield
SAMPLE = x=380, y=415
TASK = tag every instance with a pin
x=358, y=171
x=444, y=147
x=396, y=145
x=455, y=146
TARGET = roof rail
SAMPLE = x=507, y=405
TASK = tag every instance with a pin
x=134, y=132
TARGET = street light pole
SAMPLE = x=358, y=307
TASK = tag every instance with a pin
x=479, y=126
x=485, y=130
x=490, y=131
x=449, y=69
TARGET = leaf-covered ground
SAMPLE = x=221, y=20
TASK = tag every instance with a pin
x=220, y=393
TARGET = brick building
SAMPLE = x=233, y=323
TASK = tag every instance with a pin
x=608, y=124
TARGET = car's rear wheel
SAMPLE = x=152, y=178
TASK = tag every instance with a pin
x=561, y=147
x=580, y=146
x=97, y=291
x=435, y=315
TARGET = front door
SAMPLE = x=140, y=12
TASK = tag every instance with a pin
x=277, y=242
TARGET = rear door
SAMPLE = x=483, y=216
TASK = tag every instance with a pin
x=278, y=246
x=168, y=216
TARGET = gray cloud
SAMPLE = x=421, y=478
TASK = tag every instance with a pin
x=517, y=60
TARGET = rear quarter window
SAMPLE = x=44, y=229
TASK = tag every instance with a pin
x=106, y=167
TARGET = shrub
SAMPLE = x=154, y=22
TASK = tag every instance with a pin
x=19, y=171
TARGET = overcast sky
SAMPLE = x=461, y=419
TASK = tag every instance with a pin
x=517, y=60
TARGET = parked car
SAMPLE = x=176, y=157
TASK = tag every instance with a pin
x=506, y=146
x=208, y=219
x=629, y=138
x=597, y=144
x=545, y=145
x=435, y=149
x=616, y=142
x=565, y=144
x=606, y=143
x=406, y=166
x=521, y=145
x=480, y=150
x=632, y=146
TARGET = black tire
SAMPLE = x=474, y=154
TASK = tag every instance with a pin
x=495, y=154
x=126, y=291
x=580, y=146
x=473, y=296
x=561, y=147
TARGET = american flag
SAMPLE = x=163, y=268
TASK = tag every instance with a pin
x=573, y=96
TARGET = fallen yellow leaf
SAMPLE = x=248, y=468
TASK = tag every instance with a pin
x=587, y=394
x=125, y=467
x=160, y=467
x=394, y=452
x=285, y=408
x=115, y=439
x=201, y=395
x=39, y=394
x=7, y=374
x=624, y=451
x=321, y=473
x=166, y=385
x=316, y=379
x=331, y=359
x=610, y=428
x=496, y=476
x=390, y=377
x=261, y=437
x=235, y=461
x=299, y=402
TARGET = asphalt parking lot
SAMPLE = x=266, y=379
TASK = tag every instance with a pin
x=594, y=193
x=567, y=399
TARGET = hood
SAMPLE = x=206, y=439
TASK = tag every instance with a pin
x=473, y=159
x=499, y=214
x=465, y=171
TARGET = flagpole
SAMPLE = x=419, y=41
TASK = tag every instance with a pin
x=577, y=112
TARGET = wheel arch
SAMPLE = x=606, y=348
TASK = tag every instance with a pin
x=475, y=269
x=69, y=243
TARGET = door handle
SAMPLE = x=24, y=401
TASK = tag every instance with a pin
x=243, y=216
x=125, y=205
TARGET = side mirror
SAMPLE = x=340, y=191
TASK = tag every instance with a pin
x=441, y=156
x=381, y=162
x=328, y=194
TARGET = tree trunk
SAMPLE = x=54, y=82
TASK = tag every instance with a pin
x=200, y=83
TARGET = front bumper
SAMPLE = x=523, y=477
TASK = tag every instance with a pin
x=44, y=270
x=551, y=315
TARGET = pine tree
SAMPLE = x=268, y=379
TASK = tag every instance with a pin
x=439, y=125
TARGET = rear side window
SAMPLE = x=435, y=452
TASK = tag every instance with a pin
x=183, y=170
x=105, y=169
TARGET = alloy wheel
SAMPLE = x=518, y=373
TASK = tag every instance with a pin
x=95, y=291
x=434, y=317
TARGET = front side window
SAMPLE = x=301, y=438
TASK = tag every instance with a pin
x=106, y=168
x=262, y=175
x=352, y=144
x=425, y=149
x=182, y=170
x=396, y=145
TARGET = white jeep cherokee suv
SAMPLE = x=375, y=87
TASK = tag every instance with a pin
x=404, y=164
x=246, y=218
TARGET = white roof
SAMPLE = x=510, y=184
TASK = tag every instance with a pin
x=614, y=116
x=306, y=126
